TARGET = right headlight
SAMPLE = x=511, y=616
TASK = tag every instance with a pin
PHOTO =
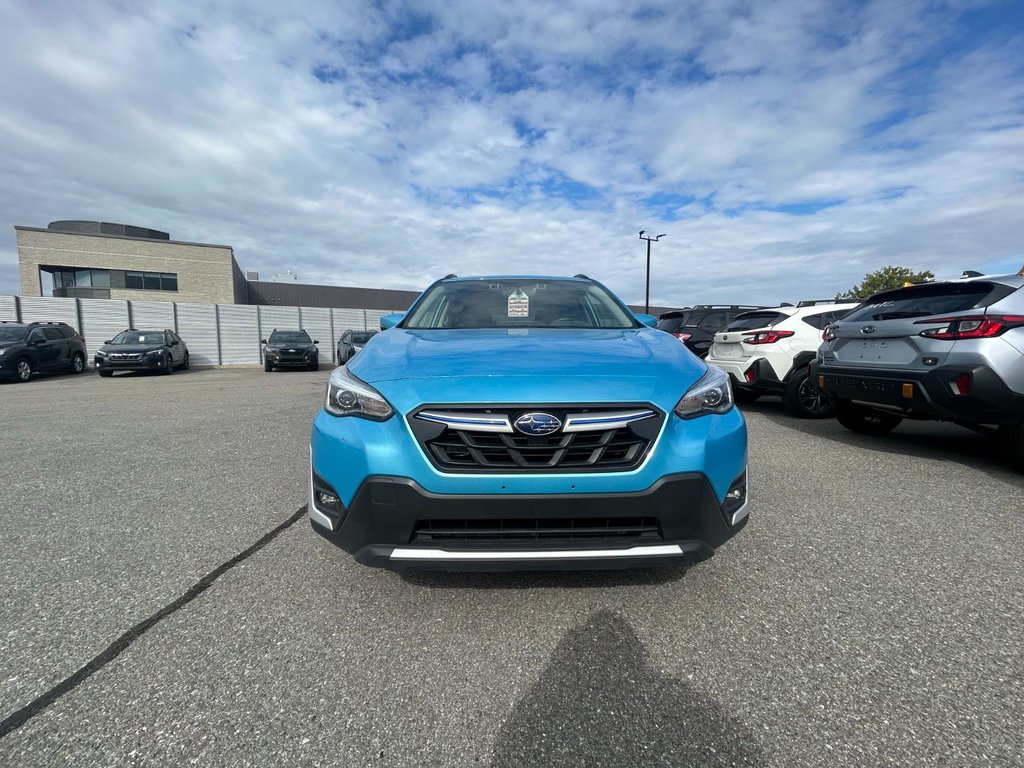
x=348, y=396
x=711, y=394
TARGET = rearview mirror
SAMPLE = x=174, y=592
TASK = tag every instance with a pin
x=390, y=321
x=649, y=320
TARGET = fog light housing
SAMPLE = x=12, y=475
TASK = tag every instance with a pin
x=325, y=506
x=735, y=503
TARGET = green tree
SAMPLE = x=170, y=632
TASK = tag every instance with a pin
x=884, y=278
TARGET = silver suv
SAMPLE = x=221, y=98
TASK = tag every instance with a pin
x=950, y=350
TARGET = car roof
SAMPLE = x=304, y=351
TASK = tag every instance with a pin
x=481, y=278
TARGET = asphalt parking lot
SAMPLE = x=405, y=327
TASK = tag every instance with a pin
x=166, y=603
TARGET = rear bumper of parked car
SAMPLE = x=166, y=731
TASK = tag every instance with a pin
x=395, y=510
x=753, y=374
x=933, y=394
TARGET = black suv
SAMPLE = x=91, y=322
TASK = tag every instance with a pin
x=27, y=348
x=696, y=326
x=290, y=349
x=135, y=350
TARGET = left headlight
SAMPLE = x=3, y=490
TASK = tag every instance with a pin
x=100, y=353
x=711, y=394
x=154, y=352
x=348, y=396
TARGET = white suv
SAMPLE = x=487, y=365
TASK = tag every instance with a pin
x=767, y=351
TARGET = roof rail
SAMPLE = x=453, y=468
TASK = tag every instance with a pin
x=449, y=276
x=581, y=276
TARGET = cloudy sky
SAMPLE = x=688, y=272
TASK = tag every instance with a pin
x=785, y=148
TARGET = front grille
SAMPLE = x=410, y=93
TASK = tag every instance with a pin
x=125, y=356
x=480, y=449
x=549, y=531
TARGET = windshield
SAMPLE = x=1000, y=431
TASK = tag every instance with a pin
x=361, y=337
x=924, y=301
x=11, y=334
x=139, y=337
x=519, y=303
x=290, y=337
x=755, y=320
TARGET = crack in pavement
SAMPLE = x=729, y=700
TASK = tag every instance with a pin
x=122, y=643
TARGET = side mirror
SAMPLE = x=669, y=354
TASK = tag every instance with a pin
x=107, y=341
x=174, y=343
x=649, y=320
x=263, y=341
x=390, y=321
x=316, y=341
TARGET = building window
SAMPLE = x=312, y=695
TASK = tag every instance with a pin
x=81, y=278
x=151, y=281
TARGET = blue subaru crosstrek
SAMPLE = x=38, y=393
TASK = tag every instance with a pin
x=527, y=422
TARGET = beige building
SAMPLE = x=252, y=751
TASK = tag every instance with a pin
x=97, y=260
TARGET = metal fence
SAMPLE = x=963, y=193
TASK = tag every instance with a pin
x=216, y=334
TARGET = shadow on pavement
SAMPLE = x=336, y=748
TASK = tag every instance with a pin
x=545, y=579
x=936, y=440
x=599, y=703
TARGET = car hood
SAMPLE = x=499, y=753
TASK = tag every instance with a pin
x=412, y=367
x=130, y=348
x=7, y=344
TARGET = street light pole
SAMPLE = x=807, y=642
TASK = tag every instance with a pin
x=647, y=288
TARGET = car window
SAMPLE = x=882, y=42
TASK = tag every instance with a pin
x=36, y=335
x=53, y=334
x=361, y=337
x=671, y=324
x=518, y=302
x=927, y=300
x=9, y=334
x=713, y=321
x=138, y=337
x=755, y=320
x=289, y=337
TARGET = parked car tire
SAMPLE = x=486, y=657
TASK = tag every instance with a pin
x=315, y=366
x=77, y=363
x=106, y=374
x=805, y=400
x=23, y=370
x=865, y=421
x=746, y=395
x=185, y=363
x=267, y=366
x=168, y=365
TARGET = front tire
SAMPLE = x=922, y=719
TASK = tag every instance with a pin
x=23, y=370
x=168, y=365
x=77, y=363
x=106, y=374
x=805, y=400
x=865, y=421
x=1012, y=439
x=267, y=367
x=185, y=363
x=315, y=366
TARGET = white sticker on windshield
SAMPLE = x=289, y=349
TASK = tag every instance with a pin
x=518, y=304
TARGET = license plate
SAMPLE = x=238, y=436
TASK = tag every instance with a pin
x=729, y=351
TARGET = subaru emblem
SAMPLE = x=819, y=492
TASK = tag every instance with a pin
x=538, y=424
x=868, y=329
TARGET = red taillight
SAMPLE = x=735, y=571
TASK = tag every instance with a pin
x=683, y=336
x=963, y=384
x=829, y=334
x=749, y=374
x=767, y=337
x=973, y=327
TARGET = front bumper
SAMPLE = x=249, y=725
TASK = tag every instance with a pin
x=392, y=523
x=291, y=361
x=143, y=364
x=925, y=394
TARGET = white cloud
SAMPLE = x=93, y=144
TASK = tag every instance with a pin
x=385, y=144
